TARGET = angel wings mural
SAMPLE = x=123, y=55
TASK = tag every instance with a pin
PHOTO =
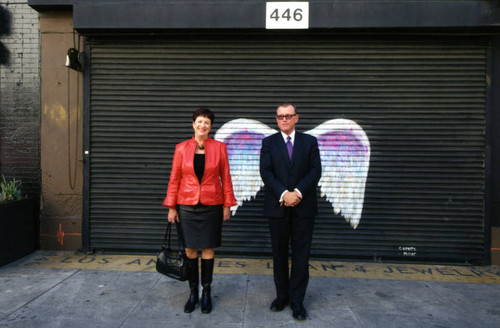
x=345, y=158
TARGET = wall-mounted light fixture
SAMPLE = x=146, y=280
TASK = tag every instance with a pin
x=73, y=60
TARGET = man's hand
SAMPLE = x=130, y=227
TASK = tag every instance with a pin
x=291, y=198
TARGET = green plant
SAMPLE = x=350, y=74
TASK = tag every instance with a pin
x=10, y=191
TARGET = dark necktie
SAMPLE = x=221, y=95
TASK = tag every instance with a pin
x=289, y=147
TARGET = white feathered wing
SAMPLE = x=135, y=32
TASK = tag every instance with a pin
x=345, y=159
x=243, y=138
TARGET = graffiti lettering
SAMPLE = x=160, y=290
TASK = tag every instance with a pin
x=331, y=266
x=85, y=260
x=423, y=271
x=38, y=260
x=316, y=268
x=43, y=258
x=138, y=262
x=407, y=248
x=403, y=270
x=476, y=272
x=360, y=268
x=444, y=272
x=497, y=273
x=462, y=274
x=223, y=264
x=66, y=260
x=409, y=253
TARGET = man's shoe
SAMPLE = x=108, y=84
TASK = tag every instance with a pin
x=278, y=304
x=298, y=311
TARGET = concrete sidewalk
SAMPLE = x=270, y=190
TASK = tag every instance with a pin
x=47, y=296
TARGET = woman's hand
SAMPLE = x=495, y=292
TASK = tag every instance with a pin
x=173, y=216
x=227, y=213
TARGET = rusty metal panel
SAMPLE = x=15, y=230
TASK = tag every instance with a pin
x=420, y=102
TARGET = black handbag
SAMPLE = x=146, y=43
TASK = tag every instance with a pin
x=172, y=262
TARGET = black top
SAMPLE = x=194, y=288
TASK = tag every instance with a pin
x=199, y=165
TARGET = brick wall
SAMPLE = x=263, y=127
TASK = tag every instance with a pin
x=20, y=98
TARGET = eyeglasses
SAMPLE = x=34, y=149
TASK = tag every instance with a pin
x=288, y=117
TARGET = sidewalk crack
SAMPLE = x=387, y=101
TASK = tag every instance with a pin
x=40, y=295
x=246, y=299
x=138, y=303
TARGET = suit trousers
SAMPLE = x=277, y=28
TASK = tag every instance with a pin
x=297, y=232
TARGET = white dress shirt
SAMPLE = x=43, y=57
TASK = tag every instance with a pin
x=292, y=139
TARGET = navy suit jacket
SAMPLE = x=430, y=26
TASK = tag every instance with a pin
x=279, y=173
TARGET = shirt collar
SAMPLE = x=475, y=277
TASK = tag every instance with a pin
x=292, y=136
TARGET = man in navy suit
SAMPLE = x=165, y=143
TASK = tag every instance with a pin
x=290, y=167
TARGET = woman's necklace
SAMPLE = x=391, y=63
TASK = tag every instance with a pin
x=202, y=146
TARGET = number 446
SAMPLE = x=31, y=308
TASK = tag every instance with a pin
x=297, y=15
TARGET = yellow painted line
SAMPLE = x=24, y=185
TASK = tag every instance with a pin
x=365, y=270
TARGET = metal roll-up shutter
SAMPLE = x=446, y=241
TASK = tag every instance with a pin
x=421, y=104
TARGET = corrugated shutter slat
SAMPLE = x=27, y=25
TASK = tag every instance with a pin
x=421, y=104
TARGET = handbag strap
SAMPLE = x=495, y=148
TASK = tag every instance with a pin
x=168, y=235
x=180, y=235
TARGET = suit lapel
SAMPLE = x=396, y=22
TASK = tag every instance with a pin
x=296, y=147
x=189, y=155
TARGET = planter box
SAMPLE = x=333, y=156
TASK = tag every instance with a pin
x=17, y=230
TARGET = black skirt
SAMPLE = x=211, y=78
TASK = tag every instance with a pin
x=201, y=225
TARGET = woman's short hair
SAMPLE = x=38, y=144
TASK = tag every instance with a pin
x=205, y=112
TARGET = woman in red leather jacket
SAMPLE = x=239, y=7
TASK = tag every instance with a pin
x=199, y=196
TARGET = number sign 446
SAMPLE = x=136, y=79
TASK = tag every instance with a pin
x=287, y=15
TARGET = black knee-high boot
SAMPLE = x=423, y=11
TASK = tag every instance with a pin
x=207, y=270
x=194, y=280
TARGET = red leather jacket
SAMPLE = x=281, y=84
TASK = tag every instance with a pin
x=216, y=187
